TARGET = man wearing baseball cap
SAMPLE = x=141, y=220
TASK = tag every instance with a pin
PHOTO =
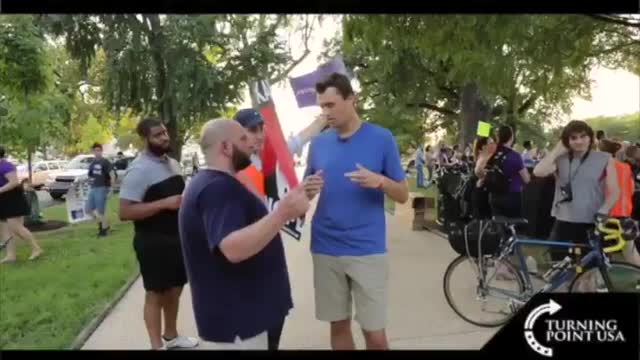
x=252, y=176
x=251, y=120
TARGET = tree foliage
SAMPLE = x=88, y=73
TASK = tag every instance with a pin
x=92, y=131
x=624, y=127
x=184, y=69
x=451, y=71
x=125, y=132
x=34, y=106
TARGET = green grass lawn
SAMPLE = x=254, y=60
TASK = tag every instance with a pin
x=46, y=303
x=431, y=191
x=389, y=205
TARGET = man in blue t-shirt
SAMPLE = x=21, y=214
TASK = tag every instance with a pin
x=352, y=166
x=232, y=248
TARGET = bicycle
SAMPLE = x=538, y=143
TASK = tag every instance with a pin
x=580, y=272
x=451, y=181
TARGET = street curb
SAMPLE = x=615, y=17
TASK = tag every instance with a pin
x=438, y=233
x=89, y=329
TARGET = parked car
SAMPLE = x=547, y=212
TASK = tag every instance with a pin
x=59, y=185
x=78, y=167
x=40, y=172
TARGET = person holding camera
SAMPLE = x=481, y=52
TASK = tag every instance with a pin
x=586, y=184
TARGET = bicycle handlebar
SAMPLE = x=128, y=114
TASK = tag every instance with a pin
x=612, y=233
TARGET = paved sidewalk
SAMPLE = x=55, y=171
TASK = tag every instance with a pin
x=419, y=317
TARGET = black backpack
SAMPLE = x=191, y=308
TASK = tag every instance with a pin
x=495, y=180
x=475, y=238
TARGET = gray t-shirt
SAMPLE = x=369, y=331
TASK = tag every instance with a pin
x=100, y=173
x=145, y=171
x=151, y=178
x=587, y=185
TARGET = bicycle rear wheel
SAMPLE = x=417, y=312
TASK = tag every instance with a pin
x=622, y=276
x=486, y=305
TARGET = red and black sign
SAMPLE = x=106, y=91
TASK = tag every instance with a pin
x=277, y=162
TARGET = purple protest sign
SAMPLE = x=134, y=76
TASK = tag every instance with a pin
x=336, y=65
x=304, y=87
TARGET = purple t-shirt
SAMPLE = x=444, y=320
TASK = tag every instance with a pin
x=5, y=168
x=512, y=166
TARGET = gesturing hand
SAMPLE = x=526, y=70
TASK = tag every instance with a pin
x=294, y=204
x=560, y=149
x=313, y=184
x=365, y=177
x=487, y=151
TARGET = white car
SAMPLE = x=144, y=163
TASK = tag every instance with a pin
x=40, y=171
x=78, y=168
x=59, y=184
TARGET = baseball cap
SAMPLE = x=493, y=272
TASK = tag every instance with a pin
x=248, y=118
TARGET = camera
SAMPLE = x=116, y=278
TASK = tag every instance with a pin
x=566, y=193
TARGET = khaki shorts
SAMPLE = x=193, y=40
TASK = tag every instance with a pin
x=259, y=342
x=336, y=278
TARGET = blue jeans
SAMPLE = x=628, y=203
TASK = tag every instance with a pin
x=97, y=199
x=419, y=176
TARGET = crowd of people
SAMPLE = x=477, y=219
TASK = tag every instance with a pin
x=218, y=235
x=590, y=175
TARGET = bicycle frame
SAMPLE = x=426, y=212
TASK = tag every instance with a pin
x=514, y=246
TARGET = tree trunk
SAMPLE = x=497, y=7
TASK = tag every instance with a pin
x=254, y=96
x=472, y=110
x=468, y=114
x=166, y=106
x=174, y=134
x=29, y=163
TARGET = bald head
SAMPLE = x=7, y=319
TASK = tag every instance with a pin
x=216, y=131
x=225, y=145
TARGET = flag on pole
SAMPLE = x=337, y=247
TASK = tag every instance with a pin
x=277, y=163
x=304, y=87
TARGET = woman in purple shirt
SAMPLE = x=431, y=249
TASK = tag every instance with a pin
x=507, y=203
x=13, y=208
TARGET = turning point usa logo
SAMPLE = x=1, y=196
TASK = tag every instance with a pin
x=567, y=330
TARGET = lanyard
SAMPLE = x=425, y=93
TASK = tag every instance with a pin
x=584, y=158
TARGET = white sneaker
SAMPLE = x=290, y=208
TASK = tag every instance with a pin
x=181, y=342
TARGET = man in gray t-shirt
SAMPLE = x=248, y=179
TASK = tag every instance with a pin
x=150, y=196
x=100, y=180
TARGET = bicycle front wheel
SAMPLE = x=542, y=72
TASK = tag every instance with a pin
x=622, y=277
x=486, y=303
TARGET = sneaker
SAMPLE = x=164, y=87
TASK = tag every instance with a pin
x=104, y=232
x=181, y=342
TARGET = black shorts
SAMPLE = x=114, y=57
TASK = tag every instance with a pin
x=161, y=262
x=13, y=204
x=563, y=231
